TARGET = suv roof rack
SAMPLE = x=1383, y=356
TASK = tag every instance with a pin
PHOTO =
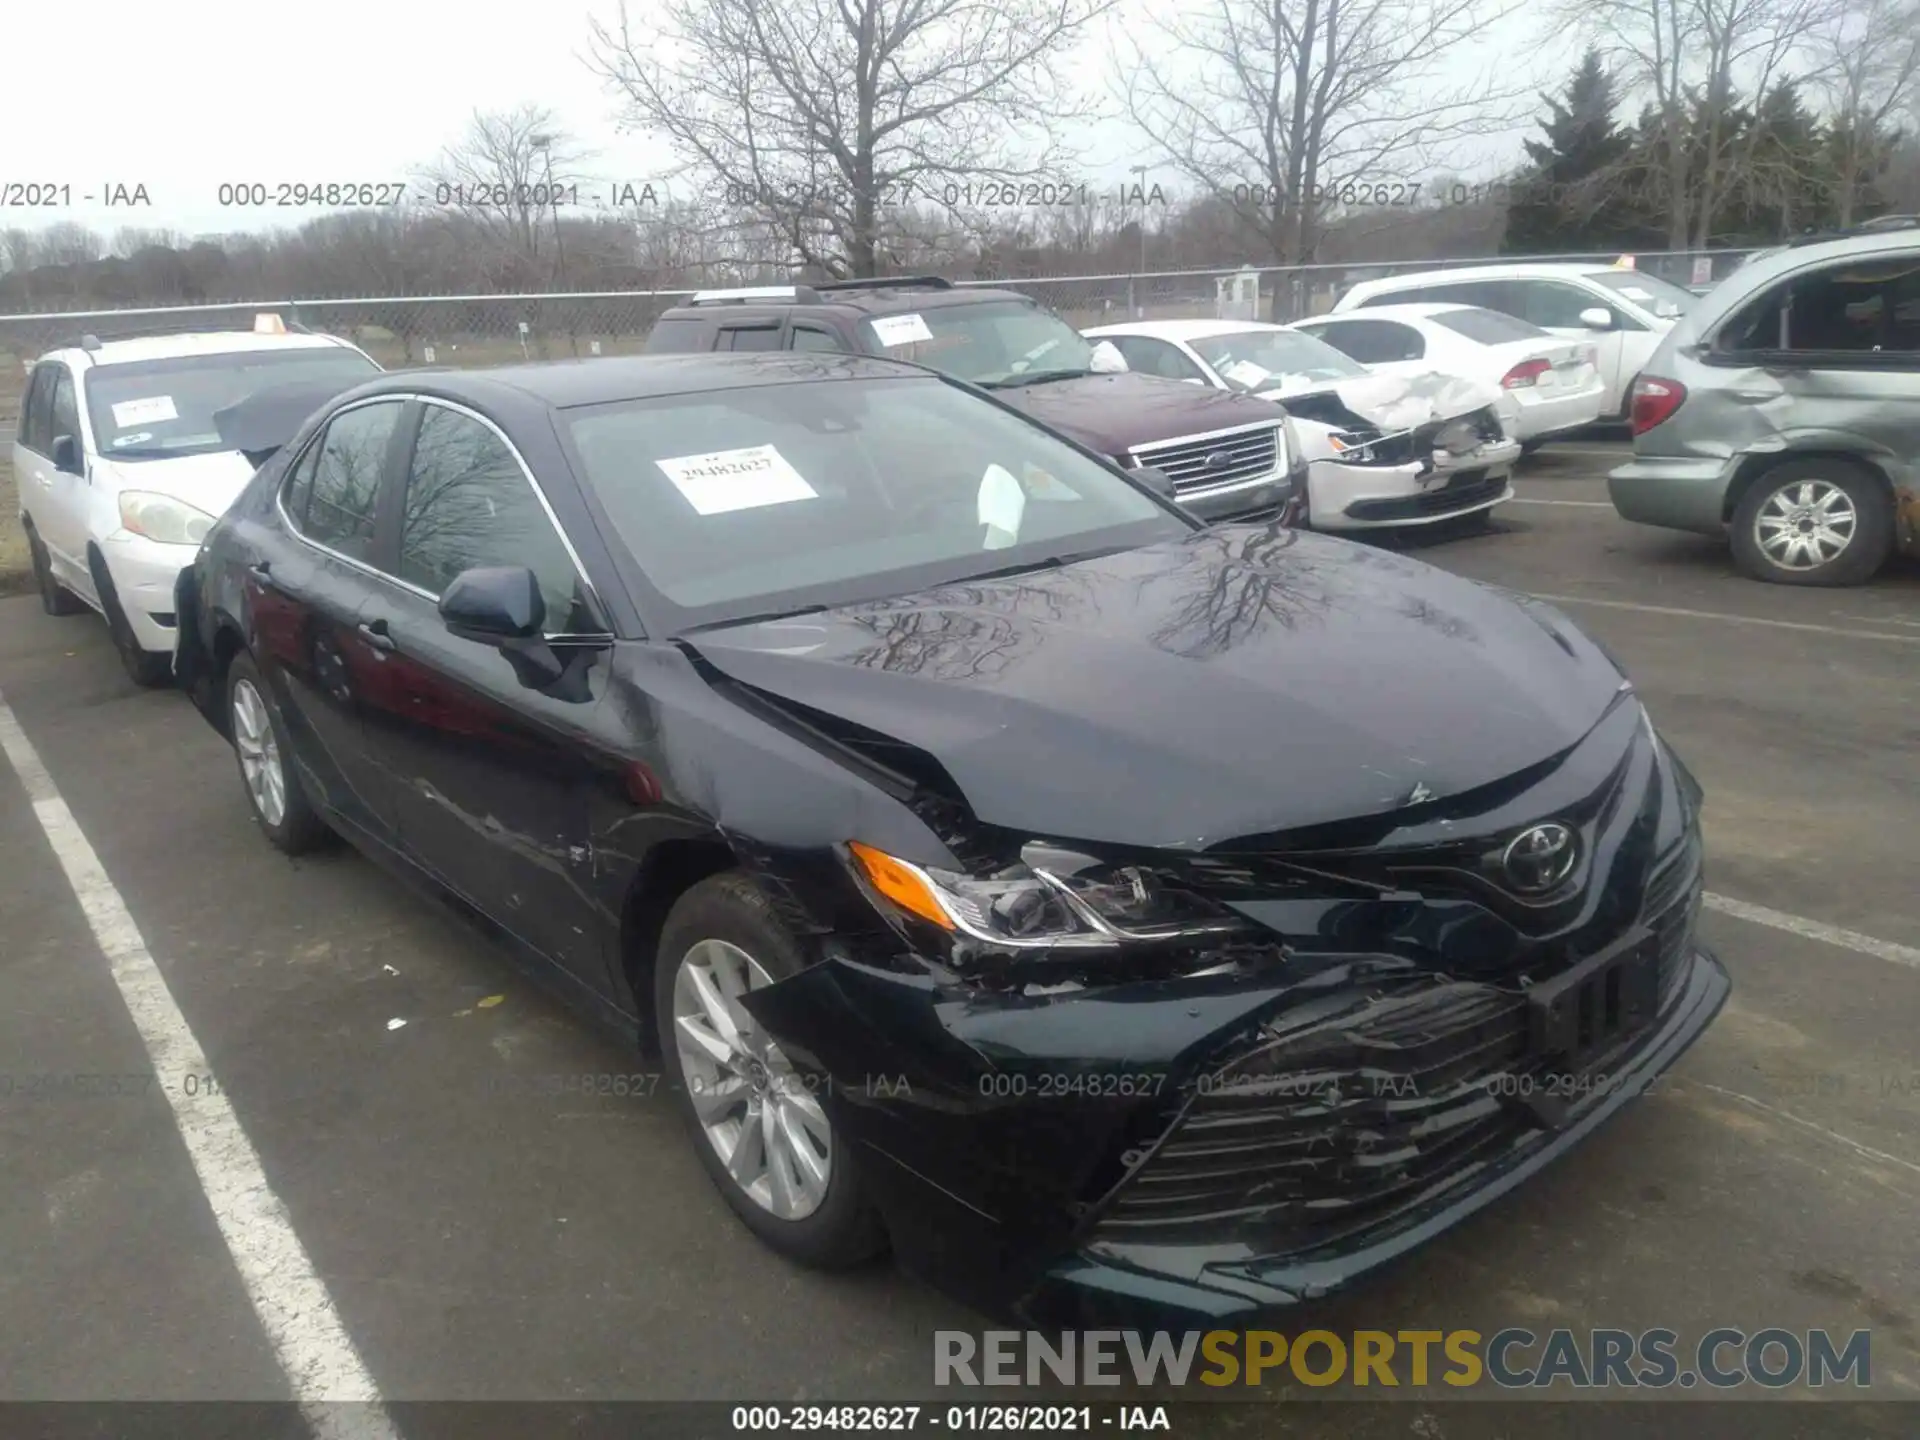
x=1882, y=225
x=898, y=282
x=797, y=294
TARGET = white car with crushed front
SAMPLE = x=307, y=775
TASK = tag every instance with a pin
x=1548, y=386
x=121, y=468
x=1382, y=450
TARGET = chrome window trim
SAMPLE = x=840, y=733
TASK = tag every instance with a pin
x=526, y=472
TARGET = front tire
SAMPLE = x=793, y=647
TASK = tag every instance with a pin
x=1816, y=521
x=149, y=669
x=55, y=598
x=280, y=806
x=759, y=1126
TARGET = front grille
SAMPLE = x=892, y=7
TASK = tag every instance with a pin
x=1246, y=455
x=1468, y=488
x=1331, y=1126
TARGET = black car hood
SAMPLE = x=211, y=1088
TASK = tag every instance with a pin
x=1111, y=414
x=1241, y=681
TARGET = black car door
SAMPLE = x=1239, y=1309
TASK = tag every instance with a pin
x=306, y=585
x=491, y=770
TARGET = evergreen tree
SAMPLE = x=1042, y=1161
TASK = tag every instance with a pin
x=1566, y=199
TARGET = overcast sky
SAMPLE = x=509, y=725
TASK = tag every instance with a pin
x=183, y=95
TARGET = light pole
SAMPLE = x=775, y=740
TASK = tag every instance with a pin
x=1140, y=310
x=544, y=144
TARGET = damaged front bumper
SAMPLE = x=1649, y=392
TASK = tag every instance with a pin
x=1350, y=496
x=1208, y=1147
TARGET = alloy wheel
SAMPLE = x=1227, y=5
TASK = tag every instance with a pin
x=1805, y=524
x=259, y=751
x=768, y=1128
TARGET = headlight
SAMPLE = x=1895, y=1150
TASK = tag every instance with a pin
x=1054, y=899
x=163, y=518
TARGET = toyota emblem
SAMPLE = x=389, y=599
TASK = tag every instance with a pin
x=1538, y=859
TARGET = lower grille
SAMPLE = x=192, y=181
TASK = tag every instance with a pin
x=1469, y=488
x=1371, y=1104
x=1331, y=1126
x=1203, y=462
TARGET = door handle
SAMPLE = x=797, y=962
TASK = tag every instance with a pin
x=374, y=632
x=261, y=573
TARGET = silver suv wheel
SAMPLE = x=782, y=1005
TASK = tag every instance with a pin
x=1805, y=525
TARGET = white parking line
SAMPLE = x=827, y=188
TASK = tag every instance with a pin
x=1581, y=504
x=297, y=1313
x=1730, y=619
x=1853, y=940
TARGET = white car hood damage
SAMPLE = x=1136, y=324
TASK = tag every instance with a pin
x=1398, y=402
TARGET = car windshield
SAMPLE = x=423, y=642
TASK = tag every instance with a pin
x=1489, y=327
x=1649, y=292
x=1251, y=360
x=994, y=343
x=768, y=499
x=161, y=409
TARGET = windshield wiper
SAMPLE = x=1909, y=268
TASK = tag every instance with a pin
x=1036, y=377
x=1052, y=562
x=763, y=616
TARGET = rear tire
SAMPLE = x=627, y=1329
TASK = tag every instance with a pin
x=55, y=598
x=722, y=936
x=1817, y=521
x=272, y=783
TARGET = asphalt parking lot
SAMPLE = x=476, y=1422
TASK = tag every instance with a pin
x=482, y=1238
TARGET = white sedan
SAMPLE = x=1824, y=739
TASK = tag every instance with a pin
x=1548, y=385
x=1382, y=450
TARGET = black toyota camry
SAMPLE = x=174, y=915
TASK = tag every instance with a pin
x=1123, y=918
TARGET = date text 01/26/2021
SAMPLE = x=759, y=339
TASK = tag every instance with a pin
x=907, y=1419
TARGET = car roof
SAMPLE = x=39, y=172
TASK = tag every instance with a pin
x=878, y=301
x=1180, y=329
x=1559, y=269
x=1411, y=310
x=203, y=342
x=602, y=380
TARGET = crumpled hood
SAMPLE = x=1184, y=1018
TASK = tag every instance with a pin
x=1242, y=680
x=1400, y=402
x=206, y=482
x=1113, y=413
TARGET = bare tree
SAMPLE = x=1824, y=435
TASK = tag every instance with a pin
x=1692, y=61
x=820, y=117
x=1278, y=108
x=1869, y=56
x=511, y=174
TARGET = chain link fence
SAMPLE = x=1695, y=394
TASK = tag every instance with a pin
x=479, y=330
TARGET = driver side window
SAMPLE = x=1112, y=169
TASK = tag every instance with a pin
x=468, y=504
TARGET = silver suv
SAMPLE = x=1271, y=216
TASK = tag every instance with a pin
x=1784, y=411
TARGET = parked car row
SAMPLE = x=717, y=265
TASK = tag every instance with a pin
x=1222, y=908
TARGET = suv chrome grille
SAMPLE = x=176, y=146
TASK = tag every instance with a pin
x=1207, y=462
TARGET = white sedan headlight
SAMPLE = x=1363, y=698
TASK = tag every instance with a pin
x=163, y=518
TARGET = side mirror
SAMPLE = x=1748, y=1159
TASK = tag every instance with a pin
x=494, y=606
x=1107, y=359
x=66, y=455
x=1597, y=318
x=1156, y=480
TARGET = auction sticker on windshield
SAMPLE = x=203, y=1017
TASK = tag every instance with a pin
x=900, y=330
x=1247, y=373
x=736, y=479
x=144, y=412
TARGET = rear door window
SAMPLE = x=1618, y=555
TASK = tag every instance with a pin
x=1847, y=309
x=346, y=480
x=750, y=337
x=1373, y=342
